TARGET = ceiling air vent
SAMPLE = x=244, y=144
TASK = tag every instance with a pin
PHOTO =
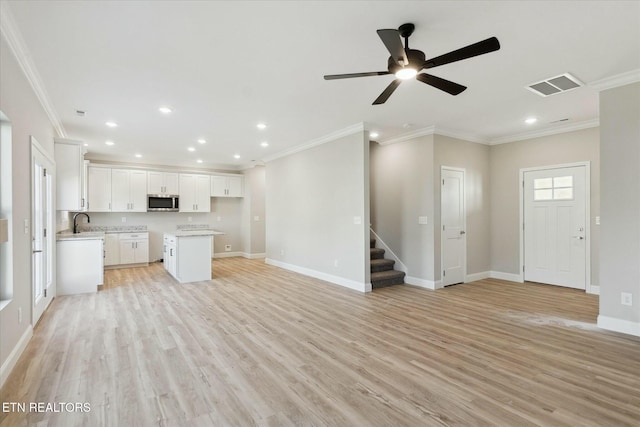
x=553, y=85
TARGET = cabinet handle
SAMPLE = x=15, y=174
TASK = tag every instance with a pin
x=82, y=202
x=109, y=205
x=164, y=249
x=170, y=251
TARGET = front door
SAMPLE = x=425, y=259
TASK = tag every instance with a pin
x=555, y=226
x=42, y=230
x=454, y=242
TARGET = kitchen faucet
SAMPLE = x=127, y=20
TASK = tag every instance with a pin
x=75, y=225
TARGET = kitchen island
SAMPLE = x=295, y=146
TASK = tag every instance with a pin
x=188, y=253
x=79, y=262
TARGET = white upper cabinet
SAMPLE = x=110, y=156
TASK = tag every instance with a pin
x=227, y=186
x=99, y=193
x=70, y=177
x=195, y=193
x=129, y=190
x=162, y=183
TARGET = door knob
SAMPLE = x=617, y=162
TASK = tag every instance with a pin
x=578, y=237
x=463, y=232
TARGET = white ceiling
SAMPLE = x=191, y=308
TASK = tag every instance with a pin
x=225, y=66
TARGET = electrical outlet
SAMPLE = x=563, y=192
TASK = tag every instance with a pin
x=219, y=218
x=597, y=220
x=124, y=219
x=26, y=226
x=335, y=262
x=626, y=298
x=281, y=251
x=227, y=248
x=19, y=314
x=189, y=219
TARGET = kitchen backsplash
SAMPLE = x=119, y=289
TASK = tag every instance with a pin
x=194, y=227
x=114, y=228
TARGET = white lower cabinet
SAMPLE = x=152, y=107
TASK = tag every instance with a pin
x=111, y=250
x=188, y=258
x=126, y=248
x=79, y=266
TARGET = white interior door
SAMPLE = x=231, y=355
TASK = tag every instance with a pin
x=453, y=237
x=555, y=226
x=42, y=230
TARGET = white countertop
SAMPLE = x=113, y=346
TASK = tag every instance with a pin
x=85, y=235
x=190, y=233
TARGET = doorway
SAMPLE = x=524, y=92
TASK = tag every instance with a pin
x=453, y=239
x=556, y=228
x=42, y=229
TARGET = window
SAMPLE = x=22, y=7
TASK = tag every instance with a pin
x=556, y=188
x=6, y=248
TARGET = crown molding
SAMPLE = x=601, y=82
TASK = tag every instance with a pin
x=350, y=130
x=429, y=130
x=451, y=133
x=9, y=30
x=622, y=79
x=546, y=132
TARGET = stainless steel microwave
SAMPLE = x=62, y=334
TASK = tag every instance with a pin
x=162, y=203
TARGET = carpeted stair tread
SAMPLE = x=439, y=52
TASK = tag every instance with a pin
x=386, y=278
x=377, y=253
x=372, y=243
x=381, y=264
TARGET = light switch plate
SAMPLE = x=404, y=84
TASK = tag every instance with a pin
x=256, y=218
x=357, y=220
x=597, y=220
x=422, y=220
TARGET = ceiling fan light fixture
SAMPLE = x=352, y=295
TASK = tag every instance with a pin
x=406, y=73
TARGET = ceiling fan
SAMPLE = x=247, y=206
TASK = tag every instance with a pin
x=405, y=63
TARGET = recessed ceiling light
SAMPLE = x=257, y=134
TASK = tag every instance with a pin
x=264, y=144
x=202, y=141
x=191, y=149
x=138, y=155
x=531, y=120
x=261, y=126
x=86, y=145
x=111, y=124
x=165, y=110
x=109, y=142
x=199, y=160
x=374, y=134
x=236, y=156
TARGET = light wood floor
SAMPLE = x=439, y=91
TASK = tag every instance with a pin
x=263, y=346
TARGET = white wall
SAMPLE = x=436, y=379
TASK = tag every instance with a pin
x=620, y=229
x=20, y=104
x=312, y=199
x=253, y=211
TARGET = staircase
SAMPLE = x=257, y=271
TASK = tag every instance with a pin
x=382, y=272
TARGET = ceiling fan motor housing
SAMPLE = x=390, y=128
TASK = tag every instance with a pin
x=416, y=60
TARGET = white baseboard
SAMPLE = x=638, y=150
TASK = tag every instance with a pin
x=242, y=254
x=253, y=256
x=506, y=276
x=347, y=283
x=595, y=290
x=422, y=283
x=11, y=361
x=227, y=254
x=476, y=276
x=619, y=325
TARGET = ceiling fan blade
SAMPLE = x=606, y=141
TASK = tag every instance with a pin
x=352, y=75
x=485, y=46
x=442, y=84
x=393, y=43
x=387, y=92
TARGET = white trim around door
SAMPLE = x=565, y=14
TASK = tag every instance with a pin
x=455, y=237
x=587, y=165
